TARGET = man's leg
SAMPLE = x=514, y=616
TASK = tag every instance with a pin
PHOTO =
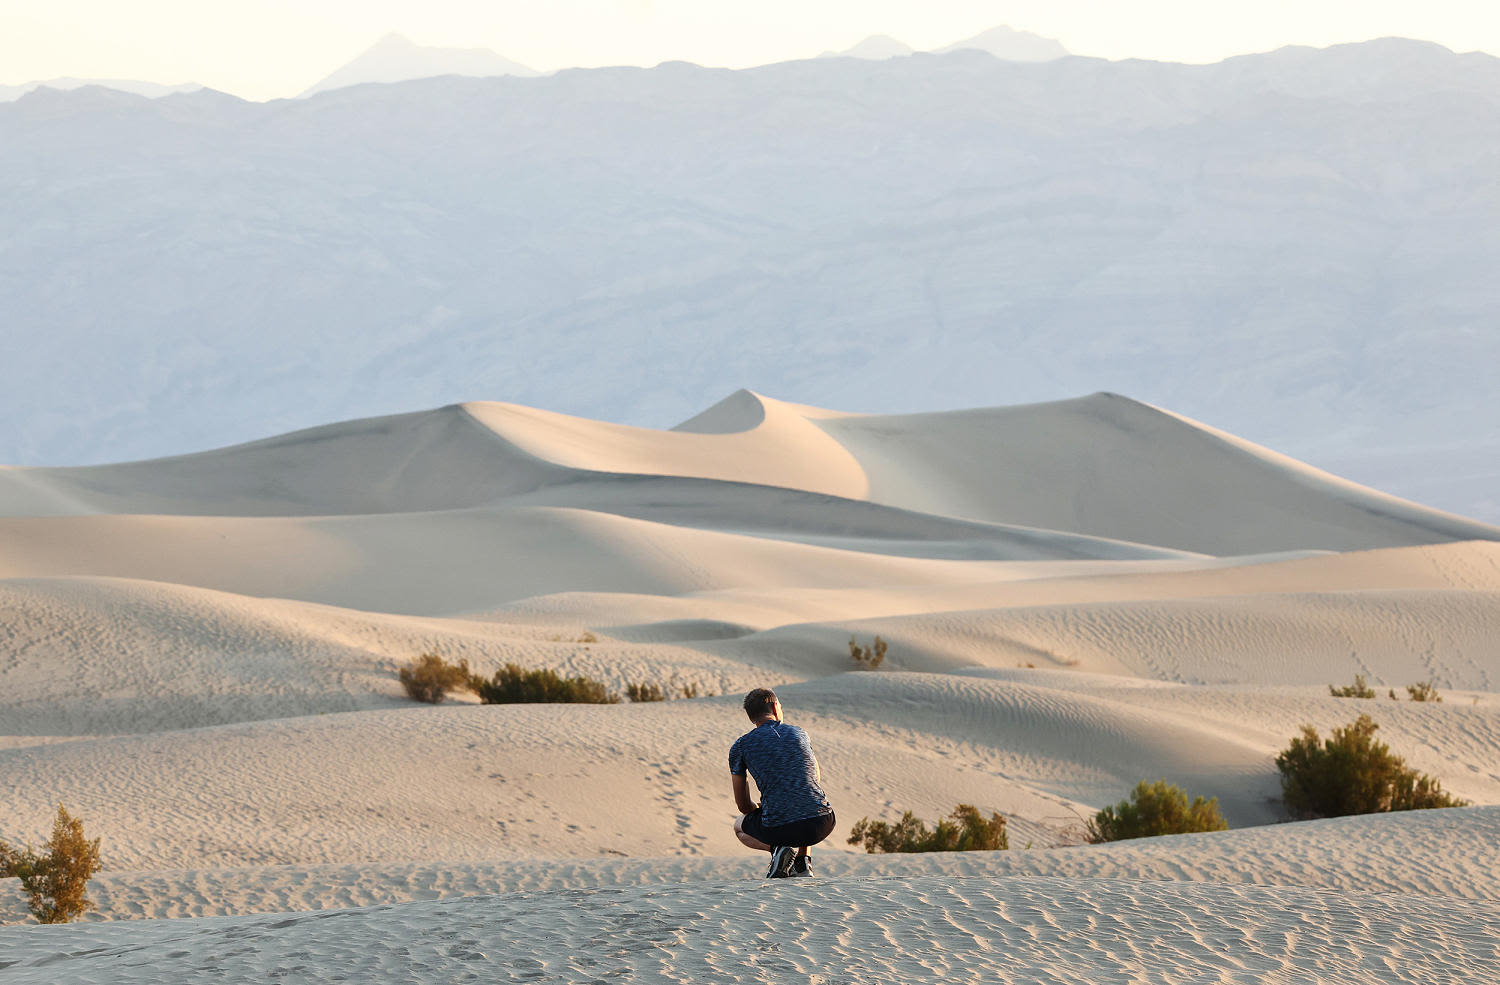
x=749, y=841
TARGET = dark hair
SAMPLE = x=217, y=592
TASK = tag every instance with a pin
x=758, y=702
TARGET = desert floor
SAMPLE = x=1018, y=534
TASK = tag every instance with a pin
x=198, y=658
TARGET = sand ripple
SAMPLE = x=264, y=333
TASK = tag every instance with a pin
x=917, y=929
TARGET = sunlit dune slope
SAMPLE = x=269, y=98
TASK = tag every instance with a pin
x=1109, y=466
x=1100, y=466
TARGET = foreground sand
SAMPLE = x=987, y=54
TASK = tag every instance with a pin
x=1391, y=898
x=915, y=929
x=199, y=660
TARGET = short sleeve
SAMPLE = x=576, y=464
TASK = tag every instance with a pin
x=737, y=758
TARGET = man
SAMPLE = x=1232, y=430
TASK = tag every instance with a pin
x=793, y=813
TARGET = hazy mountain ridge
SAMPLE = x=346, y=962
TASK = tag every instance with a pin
x=1002, y=42
x=1294, y=246
x=150, y=90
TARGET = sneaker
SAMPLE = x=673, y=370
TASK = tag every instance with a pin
x=781, y=862
x=802, y=867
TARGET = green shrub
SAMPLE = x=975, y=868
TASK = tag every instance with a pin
x=1158, y=808
x=1359, y=689
x=429, y=678
x=1424, y=691
x=55, y=882
x=965, y=830
x=513, y=684
x=1352, y=773
x=868, y=657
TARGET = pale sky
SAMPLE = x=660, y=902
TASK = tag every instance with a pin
x=264, y=49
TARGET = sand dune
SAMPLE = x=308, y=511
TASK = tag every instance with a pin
x=744, y=438
x=1391, y=637
x=516, y=781
x=109, y=655
x=430, y=460
x=1102, y=466
x=1109, y=466
x=198, y=657
x=459, y=561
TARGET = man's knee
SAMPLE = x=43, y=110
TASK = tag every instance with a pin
x=739, y=825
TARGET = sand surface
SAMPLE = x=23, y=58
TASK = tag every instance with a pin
x=198, y=657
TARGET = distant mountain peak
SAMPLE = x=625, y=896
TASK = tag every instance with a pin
x=1005, y=43
x=874, y=48
x=1008, y=44
x=396, y=58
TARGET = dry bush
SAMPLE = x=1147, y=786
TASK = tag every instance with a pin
x=1159, y=808
x=55, y=882
x=965, y=830
x=1352, y=773
x=513, y=684
x=671, y=691
x=429, y=678
x=1424, y=691
x=645, y=692
x=868, y=657
x=1359, y=689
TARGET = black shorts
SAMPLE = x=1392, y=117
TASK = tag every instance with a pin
x=799, y=833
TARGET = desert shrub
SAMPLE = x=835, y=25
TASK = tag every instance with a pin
x=645, y=692
x=1424, y=691
x=513, y=684
x=1159, y=808
x=868, y=657
x=1351, y=772
x=1359, y=689
x=586, y=636
x=429, y=678
x=672, y=690
x=965, y=830
x=55, y=882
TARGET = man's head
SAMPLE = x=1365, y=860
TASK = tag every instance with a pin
x=762, y=702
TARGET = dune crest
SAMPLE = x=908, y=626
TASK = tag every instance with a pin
x=746, y=438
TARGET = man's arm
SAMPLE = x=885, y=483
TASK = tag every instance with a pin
x=741, y=793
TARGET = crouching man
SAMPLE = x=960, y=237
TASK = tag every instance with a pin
x=793, y=813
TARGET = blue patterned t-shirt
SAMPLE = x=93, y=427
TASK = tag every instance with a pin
x=781, y=760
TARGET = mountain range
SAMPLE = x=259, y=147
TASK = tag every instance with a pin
x=396, y=58
x=1296, y=246
x=151, y=90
